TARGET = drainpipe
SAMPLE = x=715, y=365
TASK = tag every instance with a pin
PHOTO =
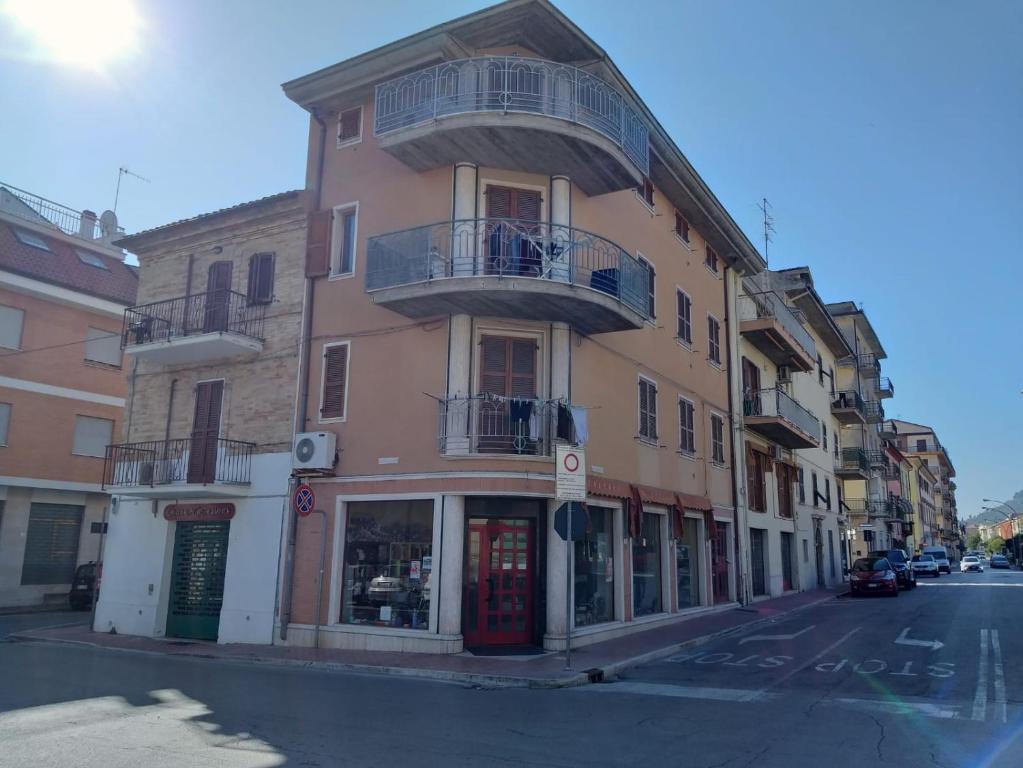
x=303, y=381
x=740, y=577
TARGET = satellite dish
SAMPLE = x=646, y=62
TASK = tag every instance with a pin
x=108, y=224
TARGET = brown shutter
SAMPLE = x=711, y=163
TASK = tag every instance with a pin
x=494, y=365
x=644, y=409
x=202, y=455
x=499, y=203
x=527, y=205
x=523, y=368
x=508, y=203
x=335, y=371
x=261, y=278
x=317, y=247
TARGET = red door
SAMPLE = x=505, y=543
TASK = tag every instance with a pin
x=498, y=606
x=719, y=562
x=218, y=296
x=202, y=454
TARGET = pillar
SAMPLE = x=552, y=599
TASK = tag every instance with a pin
x=464, y=235
x=449, y=610
x=557, y=565
x=459, y=383
x=560, y=266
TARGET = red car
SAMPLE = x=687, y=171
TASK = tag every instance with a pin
x=873, y=574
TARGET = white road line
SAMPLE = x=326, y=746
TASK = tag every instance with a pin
x=899, y=707
x=794, y=635
x=996, y=649
x=980, y=697
x=827, y=650
x=680, y=692
x=966, y=584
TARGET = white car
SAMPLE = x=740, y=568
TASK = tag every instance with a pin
x=971, y=563
x=925, y=565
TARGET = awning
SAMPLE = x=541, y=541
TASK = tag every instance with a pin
x=619, y=489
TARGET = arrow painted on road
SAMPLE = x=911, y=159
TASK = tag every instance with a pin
x=932, y=644
x=776, y=637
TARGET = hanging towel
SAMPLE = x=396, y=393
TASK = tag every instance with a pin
x=564, y=423
x=582, y=430
x=534, y=423
x=520, y=410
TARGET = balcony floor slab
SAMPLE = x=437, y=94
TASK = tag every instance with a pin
x=780, y=431
x=181, y=491
x=202, y=346
x=771, y=338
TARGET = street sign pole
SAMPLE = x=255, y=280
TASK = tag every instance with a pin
x=568, y=589
x=569, y=487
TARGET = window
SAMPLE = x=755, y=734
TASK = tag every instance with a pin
x=684, y=306
x=714, y=340
x=645, y=191
x=334, y=389
x=820, y=370
x=51, y=543
x=103, y=347
x=921, y=445
x=686, y=429
x=349, y=127
x=261, y=278
x=92, y=436
x=827, y=492
x=816, y=495
x=594, y=570
x=5, y=422
x=11, y=321
x=388, y=563
x=92, y=259
x=711, y=260
x=346, y=218
x=824, y=433
x=647, y=410
x=802, y=485
x=681, y=227
x=756, y=483
x=786, y=477
x=650, y=288
x=806, y=551
x=30, y=238
x=717, y=439
x=646, y=567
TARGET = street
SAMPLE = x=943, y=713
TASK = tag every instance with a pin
x=929, y=678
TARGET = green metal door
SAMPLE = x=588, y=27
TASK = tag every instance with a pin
x=197, y=579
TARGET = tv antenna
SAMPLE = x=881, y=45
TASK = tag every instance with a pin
x=765, y=208
x=122, y=172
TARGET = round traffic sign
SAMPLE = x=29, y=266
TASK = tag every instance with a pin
x=571, y=462
x=305, y=500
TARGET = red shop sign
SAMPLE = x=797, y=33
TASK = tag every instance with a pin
x=198, y=512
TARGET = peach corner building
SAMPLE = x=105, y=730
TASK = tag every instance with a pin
x=498, y=250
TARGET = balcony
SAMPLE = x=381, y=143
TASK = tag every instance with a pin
x=874, y=411
x=512, y=112
x=39, y=210
x=848, y=408
x=509, y=268
x=779, y=418
x=885, y=388
x=483, y=425
x=772, y=327
x=870, y=508
x=188, y=467
x=852, y=464
x=868, y=362
x=204, y=326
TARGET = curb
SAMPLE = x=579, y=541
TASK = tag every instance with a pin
x=605, y=673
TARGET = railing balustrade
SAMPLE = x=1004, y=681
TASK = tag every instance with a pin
x=211, y=312
x=753, y=306
x=512, y=84
x=191, y=460
x=507, y=248
x=776, y=403
x=483, y=424
x=66, y=219
x=848, y=399
x=852, y=459
x=874, y=411
x=885, y=388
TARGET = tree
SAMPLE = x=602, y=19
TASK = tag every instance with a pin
x=973, y=541
x=995, y=545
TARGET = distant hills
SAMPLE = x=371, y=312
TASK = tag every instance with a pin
x=993, y=517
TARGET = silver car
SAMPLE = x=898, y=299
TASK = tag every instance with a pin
x=925, y=565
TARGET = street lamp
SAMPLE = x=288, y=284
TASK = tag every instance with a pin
x=1015, y=541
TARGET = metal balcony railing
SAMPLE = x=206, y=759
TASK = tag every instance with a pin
x=884, y=387
x=507, y=248
x=874, y=411
x=848, y=398
x=753, y=306
x=876, y=458
x=867, y=361
x=200, y=460
x=775, y=402
x=512, y=84
x=484, y=424
x=852, y=459
x=66, y=219
x=218, y=311
x=869, y=507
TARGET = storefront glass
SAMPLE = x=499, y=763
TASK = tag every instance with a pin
x=687, y=557
x=646, y=567
x=388, y=564
x=594, y=570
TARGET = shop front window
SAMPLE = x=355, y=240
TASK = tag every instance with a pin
x=594, y=570
x=388, y=564
x=687, y=556
x=646, y=567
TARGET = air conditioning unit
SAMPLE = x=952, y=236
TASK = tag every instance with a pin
x=784, y=374
x=777, y=453
x=314, y=452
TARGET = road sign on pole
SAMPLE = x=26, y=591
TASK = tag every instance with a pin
x=573, y=509
x=305, y=500
x=570, y=477
x=569, y=486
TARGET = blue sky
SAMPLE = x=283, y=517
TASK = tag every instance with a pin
x=887, y=137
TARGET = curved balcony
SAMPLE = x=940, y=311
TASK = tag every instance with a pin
x=508, y=268
x=513, y=112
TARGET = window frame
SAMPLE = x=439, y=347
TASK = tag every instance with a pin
x=713, y=341
x=651, y=412
x=21, y=326
x=682, y=229
x=91, y=259
x=5, y=433
x=74, y=433
x=337, y=239
x=685, y=341
x=251, y=292
x=717, y=441
x=108, y=335
x=342, y=142
x=323, y=383
x=689, y=429
x=651, y=288
x=712, y=261
x=31, y=239
x=645, y=193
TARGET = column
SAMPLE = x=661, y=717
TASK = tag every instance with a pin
x=449, y=588
x=459, y=417
x=464, y=235
x=560, y=256
x=557, y=565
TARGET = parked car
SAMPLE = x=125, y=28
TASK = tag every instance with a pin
x=926, y=565
x=83, y=585
x=999, y=561
x=940, y=555
x=900, y=564
x=873, y=574
x=971, y=563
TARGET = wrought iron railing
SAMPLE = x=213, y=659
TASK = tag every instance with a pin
x=848, y=399
x=512, y=84
x=66, y=219
x=867, y=361
x=507, y=248
x=852, y=459
x=869, y=507
x=217, y=311
x=483, y=424
x=876, y=458
x=885, y=388
x=875, y=411
x=190, y=460
x=754, y=306
x=776, y=403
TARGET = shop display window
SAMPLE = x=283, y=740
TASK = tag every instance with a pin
x=646, y=567
x=388, y=564
x=594, y=570
x=687, y=558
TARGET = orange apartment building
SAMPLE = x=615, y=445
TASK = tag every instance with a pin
x=63, y=290
x=507, y=251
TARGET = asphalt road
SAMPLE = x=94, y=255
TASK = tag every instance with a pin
x=848, y=683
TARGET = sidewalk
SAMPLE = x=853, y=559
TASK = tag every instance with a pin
x=593, y=663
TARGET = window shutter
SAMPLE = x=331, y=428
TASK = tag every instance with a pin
x=261, y=278
x=317, y=248
x=335, y=373
x=644, y=407
x=348, y=124
x=523, y=368
x=494, y=365
x=499, y=203
x=528, y=205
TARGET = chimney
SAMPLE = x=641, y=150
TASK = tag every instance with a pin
x=87, y=225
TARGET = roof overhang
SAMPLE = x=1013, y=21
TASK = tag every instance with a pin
x=797, y=284
x=859, y=317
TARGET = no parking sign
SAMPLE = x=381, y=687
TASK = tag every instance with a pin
x=305, y=500
x=570, y=478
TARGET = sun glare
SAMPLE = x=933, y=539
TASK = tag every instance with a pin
x=83, y=34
